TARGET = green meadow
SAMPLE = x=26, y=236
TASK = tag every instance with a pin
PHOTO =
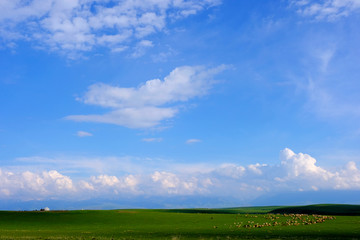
x=303, y=222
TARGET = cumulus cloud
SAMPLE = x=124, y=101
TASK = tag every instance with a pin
x=256, y=168
x=143, y=107
x=171, y=183
x=295, y=172
x=328, y=10
x=231, y=170
x=28, y=185
x=105, y=180
x=300, y=164
x=303, y=172
x=70, y=26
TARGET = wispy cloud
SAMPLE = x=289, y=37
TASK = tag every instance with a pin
x=193, y=140
x=154, y=101
x=327, y=77
x=83, y=134
x=80, y=26
x=152, y=139
x=328, y=10
x=326, y=96
x=141, y=47
x=326, y=104
x=325, y=56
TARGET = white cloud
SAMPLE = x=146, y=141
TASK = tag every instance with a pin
x=131, y=181
x=327, y=103
x=168, y=180
x=141, y=47
x=130, y=117
x=193, y=140
x=28, y=185
x=152, y=139
x=256, y=168
x=142, y=107
x=302, y=170
x=119, y=49
x=325, y=56
x=83, y=134
x=86, y=186
x=171, y=183
x=300, y=164
x=108, y=185
x=71, y=26
x=105, y=180
x=296, y=172
x=328, y=10
x=329, y=83
x=231, y=170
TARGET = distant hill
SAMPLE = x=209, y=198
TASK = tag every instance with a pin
x=236, y=210
x=322, y=209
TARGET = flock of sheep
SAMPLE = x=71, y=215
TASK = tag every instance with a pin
x=291, y=220
x=281, y=220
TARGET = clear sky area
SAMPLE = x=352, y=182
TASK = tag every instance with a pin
x=178, y=103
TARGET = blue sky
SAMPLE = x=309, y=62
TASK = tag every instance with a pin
x=168, y=103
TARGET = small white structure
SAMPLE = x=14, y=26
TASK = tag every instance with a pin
x=46, y=209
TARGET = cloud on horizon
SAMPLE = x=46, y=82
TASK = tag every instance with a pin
x=297, y=172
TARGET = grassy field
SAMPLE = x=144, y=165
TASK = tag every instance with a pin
x=230, y=223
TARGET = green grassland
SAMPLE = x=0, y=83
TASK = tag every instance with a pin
x=229, y=223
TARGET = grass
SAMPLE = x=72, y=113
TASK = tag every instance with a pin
x=229, y=223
